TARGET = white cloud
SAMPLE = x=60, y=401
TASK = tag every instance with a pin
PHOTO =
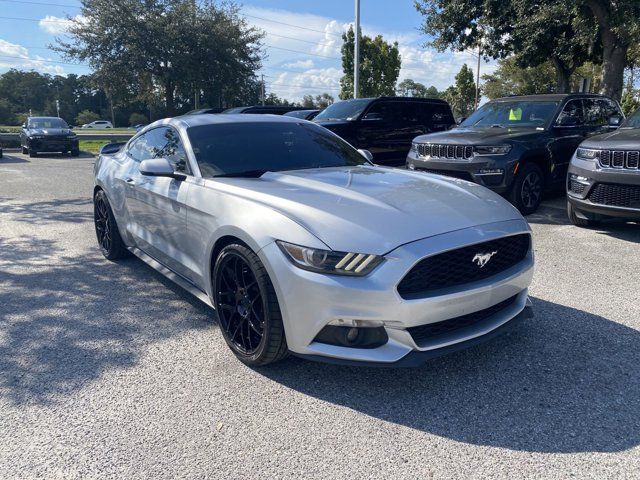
x=17, y=56
x=308, y=63
x=56, y=25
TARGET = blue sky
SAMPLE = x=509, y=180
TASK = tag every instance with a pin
x=299, y=60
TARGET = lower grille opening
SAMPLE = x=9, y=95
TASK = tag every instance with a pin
x=423, y=333
x=616, y=195
x=449, y=173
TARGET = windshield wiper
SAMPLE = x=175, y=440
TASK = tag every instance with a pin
x=246, y=174
x=497, y=125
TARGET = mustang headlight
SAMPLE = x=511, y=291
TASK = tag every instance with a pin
x=587, y=153
x=328, y=261
x=492, y=149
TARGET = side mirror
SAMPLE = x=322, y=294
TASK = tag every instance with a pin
x=366, y=154
x=159, y=167
x=615, y=121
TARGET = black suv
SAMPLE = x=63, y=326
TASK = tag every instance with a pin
x=386, y=125
x=604, y=176
x=517, y=146
x=48, y=134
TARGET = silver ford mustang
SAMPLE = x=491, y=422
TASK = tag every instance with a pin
x=302, y=245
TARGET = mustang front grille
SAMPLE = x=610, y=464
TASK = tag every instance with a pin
x=464, y=265
x=430, y=331
x=616, y=195
x=458, y=152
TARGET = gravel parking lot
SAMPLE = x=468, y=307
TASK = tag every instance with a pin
x=107, y=370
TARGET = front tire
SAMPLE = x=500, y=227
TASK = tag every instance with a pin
x=527, y=189
x=75, y=152
x=32, y=153
x=25, y=150
x=107, y=233
x=576, y=220
x=248, y=310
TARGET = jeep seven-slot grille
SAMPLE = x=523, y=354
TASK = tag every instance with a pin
x=627, y=159
x=464, y=265
x=460, y=152
x=431, y=331
x=616, y=195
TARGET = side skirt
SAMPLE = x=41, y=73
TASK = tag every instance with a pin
x=173, y=276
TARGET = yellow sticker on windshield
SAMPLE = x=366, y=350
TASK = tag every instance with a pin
x=515, y=114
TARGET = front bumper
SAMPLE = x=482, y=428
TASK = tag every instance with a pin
x=594, y=175
x=309, y=301
x=53, y=144
x=470, y=169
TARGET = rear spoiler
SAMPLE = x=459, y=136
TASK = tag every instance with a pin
x=111, y=148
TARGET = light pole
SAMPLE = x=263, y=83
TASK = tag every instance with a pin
x=356, y=53
x=478, y=77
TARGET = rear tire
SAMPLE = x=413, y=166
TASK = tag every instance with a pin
x=25, y=151
x=528, y=186
x=32, y=153
x=107, y=233
x=75, y=153
x=576, y=220
x=248, y=311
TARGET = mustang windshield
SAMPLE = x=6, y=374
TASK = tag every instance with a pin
x=633, y=121
x=512, y=114
x=250, y=149
x=346, y=110
x=47, y=123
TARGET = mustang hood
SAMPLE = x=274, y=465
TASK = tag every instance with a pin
x=479, y=136
x=623, y=138
x=372, y=209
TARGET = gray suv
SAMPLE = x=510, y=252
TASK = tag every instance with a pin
x=517, y=146
x=604, y=176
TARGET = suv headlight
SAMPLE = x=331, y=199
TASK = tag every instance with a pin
x=414, y=147
x=587, y=153
x=492, y=149
x=328, y=261
x=36, y=137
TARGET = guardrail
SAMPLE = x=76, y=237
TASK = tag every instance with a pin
x=111, y=137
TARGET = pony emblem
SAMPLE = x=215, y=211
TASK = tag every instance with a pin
x=483, y=258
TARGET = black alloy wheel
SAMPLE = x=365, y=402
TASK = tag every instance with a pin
x=107, y=233
x=248, y=310
x=528, y=188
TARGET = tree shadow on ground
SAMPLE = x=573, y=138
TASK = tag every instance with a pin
x=68, y=210
x=7, y=159
x=64, y=325
x=565, y=381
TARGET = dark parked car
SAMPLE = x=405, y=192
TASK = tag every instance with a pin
x=304, y=114
x=263, y=109
x=48, y=134
x=386, y=125
x=604, y=176
x=517, y=146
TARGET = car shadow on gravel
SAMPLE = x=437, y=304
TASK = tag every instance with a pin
x=63, y=325
x=565, y=381
x=6, y=159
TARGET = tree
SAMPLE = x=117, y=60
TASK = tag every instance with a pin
x=410, y=88
x=630, y=101
x=86, y=116
x=619, y=25
x=532, y=32
x=180, y=47
x=137, y=118
x=461, y=96
x=379, y=66
x=510, y=79
x=320, y=102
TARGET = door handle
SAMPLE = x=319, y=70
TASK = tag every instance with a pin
x=130, y=181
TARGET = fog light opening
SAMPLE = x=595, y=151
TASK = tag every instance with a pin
x=353, y=337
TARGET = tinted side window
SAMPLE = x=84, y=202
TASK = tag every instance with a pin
x=573, y=110
x=594, y=112
x=138, y=148
x=438, y=116
x=398, y=113
x=610, y=108
x=164, y=142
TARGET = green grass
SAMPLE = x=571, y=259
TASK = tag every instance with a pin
x=92, y=146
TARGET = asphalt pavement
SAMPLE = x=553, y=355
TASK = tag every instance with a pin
x=108, y=370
